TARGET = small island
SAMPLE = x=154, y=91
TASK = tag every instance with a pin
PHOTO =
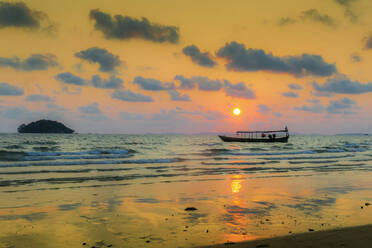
x=44, y=126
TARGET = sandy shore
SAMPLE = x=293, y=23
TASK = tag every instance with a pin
x=347, y=237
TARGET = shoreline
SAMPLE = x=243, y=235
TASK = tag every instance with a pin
x=359, y=236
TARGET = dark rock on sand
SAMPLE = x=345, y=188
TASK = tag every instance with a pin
x=311, y=230
x=44, y=126
x=191, y=209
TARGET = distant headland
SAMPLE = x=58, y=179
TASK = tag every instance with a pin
x=44, y=126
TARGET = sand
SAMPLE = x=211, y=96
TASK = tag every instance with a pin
x=355, y=237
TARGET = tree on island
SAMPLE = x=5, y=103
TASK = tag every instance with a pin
x=44, y=126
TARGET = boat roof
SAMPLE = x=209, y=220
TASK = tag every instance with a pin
x=274, y=131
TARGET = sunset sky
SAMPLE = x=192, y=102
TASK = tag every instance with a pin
x=146, y=66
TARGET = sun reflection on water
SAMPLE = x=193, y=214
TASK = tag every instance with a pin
x=236, y=184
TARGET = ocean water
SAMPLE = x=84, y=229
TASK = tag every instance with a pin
x=132, y=190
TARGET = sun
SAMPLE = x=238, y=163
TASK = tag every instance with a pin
x=236, y=111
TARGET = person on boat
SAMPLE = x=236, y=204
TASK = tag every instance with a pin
x=263, y=135
x=274, y=136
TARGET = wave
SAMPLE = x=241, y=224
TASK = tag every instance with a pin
x=270, y=153
x=27, y=142
x=121, y=151
x=314, y=162
x=308, y=157
x=63, y=180
x=238, y=163
x=44, y=155
x=72, y=163
x=41, y=158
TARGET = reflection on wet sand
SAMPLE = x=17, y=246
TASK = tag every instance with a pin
x=235, y=218
x=235, y=209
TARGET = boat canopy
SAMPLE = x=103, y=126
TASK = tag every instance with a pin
x=275, y=131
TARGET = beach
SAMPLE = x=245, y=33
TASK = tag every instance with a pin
x=181, y=190
x=346, y=237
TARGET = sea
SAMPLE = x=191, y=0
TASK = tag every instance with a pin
x=93, y=190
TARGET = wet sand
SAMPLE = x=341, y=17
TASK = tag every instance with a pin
x=360, y=237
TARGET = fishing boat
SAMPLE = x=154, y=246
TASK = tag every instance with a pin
x=258, y=136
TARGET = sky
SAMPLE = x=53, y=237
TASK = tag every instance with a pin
x=145, y=66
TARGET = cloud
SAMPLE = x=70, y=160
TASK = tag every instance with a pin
x=356, y=58
x=164, y=115
x=315, y=16
x=19, y=113
x=176, y=96
x=238, y=90
x=152, y=84
x=55, y=106
x=345, y=2
x=341, y=106
x=213, y=115
x=206, y=84
x=241, y=59
x=368, y=42
x=290, y=94
x=310, y=15
x=35, y=62
x=72, y=90
x=177, y=112
x=131, y=116
x=125, y=27
x=10, y=90
x=202, y=59
x=343, y=85
x=314, y=108
x=347, y=6
x=19, y=15
x=277, y=114
x=39, y=98
x=295, y=87
x=286, y=21
x=69, y=78
x=96, y=81
x=129, y=96
x=313, y=101
x=321, y=94
x=186, y=84
x=111, y=83
x=106, y=60
x=262, y=108
x=91, y=109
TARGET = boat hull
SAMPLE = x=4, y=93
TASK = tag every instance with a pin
x=252, y=140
